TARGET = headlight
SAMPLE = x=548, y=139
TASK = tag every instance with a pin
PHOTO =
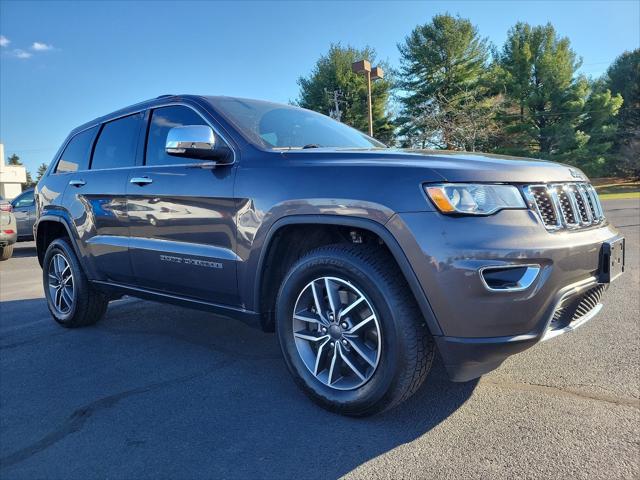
x=474, y=199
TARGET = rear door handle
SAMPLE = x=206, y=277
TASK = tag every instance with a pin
x=77, y=183
x=141, y=181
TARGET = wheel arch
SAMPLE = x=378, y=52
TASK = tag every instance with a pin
x=50, y=227
x=361, y=224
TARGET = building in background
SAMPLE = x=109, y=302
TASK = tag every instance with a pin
x=12, y=177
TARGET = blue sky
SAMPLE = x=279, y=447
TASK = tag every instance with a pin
x=64, y=63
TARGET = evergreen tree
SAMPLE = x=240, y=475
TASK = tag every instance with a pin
x=14, y=160
x=331, y=73
x=440, y=83
x=549, y=111
x=623, y=77
x=41, y=171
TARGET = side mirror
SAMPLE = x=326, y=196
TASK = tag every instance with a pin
x=195, y=141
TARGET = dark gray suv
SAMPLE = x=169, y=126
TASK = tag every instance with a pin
x=364, y=259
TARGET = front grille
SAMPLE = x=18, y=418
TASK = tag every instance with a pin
x=565, y=205
x=576, y=308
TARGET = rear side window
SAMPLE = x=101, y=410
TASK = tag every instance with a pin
x=162, y=120
x=76, y=154
x=116, y=145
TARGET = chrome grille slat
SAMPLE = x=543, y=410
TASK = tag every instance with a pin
x=570, y=205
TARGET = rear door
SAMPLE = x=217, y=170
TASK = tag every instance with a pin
x=96, y=199
x=182, y=217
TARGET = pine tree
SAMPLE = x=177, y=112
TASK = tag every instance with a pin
x=440, y=83
x=623, y=77
x=42, y=169
x=331, y=73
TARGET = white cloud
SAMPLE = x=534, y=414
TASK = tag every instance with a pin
x=41, y=47
x=21, y=54
x=4, y=41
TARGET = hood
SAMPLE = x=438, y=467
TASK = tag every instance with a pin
x=452, y=166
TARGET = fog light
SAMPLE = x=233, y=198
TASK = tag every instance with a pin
x=510, y=278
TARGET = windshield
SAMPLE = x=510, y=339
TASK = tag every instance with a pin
x=275, y=126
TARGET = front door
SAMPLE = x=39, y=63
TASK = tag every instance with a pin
x=182, y=218
x=24, y=210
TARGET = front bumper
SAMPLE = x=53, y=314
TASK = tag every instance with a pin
x=481, y=328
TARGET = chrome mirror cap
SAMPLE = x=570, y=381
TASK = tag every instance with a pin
x=196, y=141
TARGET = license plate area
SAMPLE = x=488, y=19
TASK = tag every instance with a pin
x=611, y=260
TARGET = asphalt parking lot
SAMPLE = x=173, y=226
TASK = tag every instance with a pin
x=156, y=391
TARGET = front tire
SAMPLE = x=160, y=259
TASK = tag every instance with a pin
x=71, y=299
x=350, y=331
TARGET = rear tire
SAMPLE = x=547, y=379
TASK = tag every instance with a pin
x=6, y=252
x=392, y=361
x=71, y=299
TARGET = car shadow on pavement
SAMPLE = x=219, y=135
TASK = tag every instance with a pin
x=161, y=391
x=20, y=250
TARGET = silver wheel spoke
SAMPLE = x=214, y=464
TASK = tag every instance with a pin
x=351, y=306
x=351, y=365
x=361, y=350
x=67, y=296
x=316, y=301
x=319, y=356
x=310, y=337
x=333, y=362
x=332, y=295
x=305, y=318
x=58, y=298
x=359, y=325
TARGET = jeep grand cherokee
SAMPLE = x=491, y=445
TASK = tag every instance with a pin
x=364, y=259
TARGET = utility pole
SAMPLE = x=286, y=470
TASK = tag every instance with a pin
x=364, y=67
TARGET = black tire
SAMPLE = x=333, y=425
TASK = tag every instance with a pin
x=6, y=252
x=88, y=304
x=407, y=348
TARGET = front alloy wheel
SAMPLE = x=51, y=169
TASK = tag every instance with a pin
x=350, y=331
x=337, y=333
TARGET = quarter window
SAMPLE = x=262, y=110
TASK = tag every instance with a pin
x=162, y=120
x=76, y=155
x=116, y=145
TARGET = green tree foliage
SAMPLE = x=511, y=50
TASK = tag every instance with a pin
x=543, y=99
x=441, y=85
x=623, y=77
x=14, y=160
x=41, y=171
x=549, y=110
x=332, y=72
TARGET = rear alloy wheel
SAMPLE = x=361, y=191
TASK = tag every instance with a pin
x=72, y=301
x=61, y=289
x=350, y=331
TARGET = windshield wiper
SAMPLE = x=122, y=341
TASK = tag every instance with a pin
x=311, y=145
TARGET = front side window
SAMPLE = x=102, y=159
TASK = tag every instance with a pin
x=24, y=200
x=116, y=145
x=275, y=126
x=162, y=120
x=76, y=155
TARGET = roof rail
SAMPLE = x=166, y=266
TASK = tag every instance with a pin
x=165, y=96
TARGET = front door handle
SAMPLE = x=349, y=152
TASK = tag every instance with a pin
x=77, y=183
x=141, y=181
